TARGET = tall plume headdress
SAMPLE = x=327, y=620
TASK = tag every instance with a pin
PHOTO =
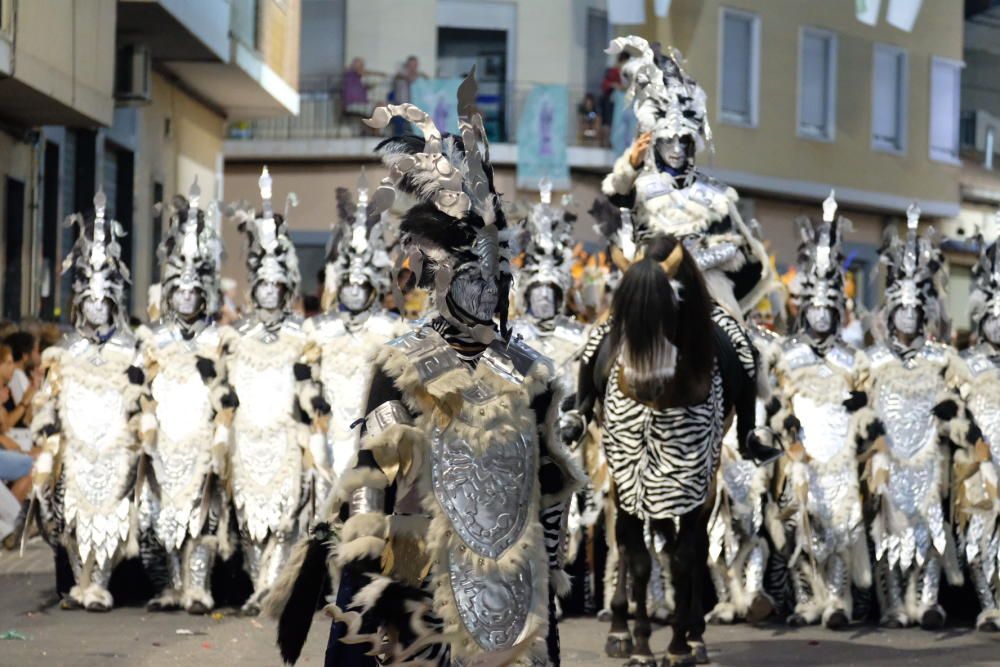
x=820, y=279
x=191, y=253
x=99, y=272
x=548, y=246
x=666, y=100
x=457, y=222
x=270, y=253
x=357, y=253
x=984, y=298
x=913, y=274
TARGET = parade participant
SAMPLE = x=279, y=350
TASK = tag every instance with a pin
x=278, y=455
x=543, y=284
x=89, y=422
x=357, y=278
x=976, y=471
x=744, y=516
x=823, y=417
x=657, y=178
x=193, y=407
x=910, y=387
x=449, y=552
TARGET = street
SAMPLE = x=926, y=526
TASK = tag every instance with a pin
x=132, y=636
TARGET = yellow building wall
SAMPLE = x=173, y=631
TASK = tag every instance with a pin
x=279, y=37
x=849, y=160
x=66, y=50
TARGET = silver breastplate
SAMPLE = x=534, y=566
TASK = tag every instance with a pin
x=824, y=426
x=909, y=422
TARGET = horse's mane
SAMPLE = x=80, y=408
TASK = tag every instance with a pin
x=649, y=305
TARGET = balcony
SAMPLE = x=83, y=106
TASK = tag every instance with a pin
x=175, y=30
x=327, y=129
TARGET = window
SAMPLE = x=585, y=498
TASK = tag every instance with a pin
x=817, y=84
x=889, y=91
x=739, y=77
x=946, y=76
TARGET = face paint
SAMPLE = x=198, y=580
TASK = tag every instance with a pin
x=186, y=302
x=906, y=319
x=268, y=295
x=542, y=301
x=819, y=319
x=474, y=294
x=355, y=297
x=991, y=329
x=673, y=152
x=96, y=312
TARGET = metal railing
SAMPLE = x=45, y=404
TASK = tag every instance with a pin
x=323, y=114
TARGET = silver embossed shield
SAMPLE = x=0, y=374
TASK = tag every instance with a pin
x=486, y=495
x=493, y=606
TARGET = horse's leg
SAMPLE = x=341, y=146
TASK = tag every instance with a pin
x=696, y=615
x=640, y=567
x=619, y=642
x=682, y=550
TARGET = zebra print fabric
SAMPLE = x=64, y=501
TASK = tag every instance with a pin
x=662, y=461
x=597, y=334
x=745, y=350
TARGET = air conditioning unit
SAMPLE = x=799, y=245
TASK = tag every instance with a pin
x=133, y=69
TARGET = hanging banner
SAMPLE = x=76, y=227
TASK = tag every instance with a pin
x=438, y=98
x=626, y=12
x=867, y=11
x=902, y=14
x=541, y=138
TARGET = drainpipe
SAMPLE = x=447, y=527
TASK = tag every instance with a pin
x=33, y=286
x=990, y=141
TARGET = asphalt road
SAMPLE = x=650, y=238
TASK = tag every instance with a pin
x=132, y=636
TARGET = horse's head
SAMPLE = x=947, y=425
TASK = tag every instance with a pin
x=661, y=321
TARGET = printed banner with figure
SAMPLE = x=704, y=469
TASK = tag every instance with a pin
x=541, y=138
x=437, y=98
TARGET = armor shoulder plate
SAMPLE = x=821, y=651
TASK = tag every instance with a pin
x=328, y=325
x=429, y=353
x=842, y=357
x=709, y=191
x=570, y=330
x=936, y=353
x=798, y=354
x=979, y=361
x=515, y=361
x=879, y=355
x=210, y=336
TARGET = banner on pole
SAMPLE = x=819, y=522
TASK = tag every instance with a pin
x=541, y=138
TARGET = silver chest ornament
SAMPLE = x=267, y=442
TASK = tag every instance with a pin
x=908, y=418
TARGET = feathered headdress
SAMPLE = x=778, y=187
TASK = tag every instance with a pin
x=99, y=272
x=191, y=254
x=356, y=253
x=666, y=100
x=548, y=251
x=913, y=274
x=458, y=219
x=270, y=253
x=984, y=298
x=819, y=274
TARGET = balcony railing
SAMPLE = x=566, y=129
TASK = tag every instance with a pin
x=324, y=115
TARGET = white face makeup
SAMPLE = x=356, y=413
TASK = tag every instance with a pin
x=819, y=319
x=673, y=152
x=268, y=295
x=96, y=312
x=474, y=294
x=355, y=297
x=991, y=329
x=186, y=302
x=906, y=319
x=542, y=301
